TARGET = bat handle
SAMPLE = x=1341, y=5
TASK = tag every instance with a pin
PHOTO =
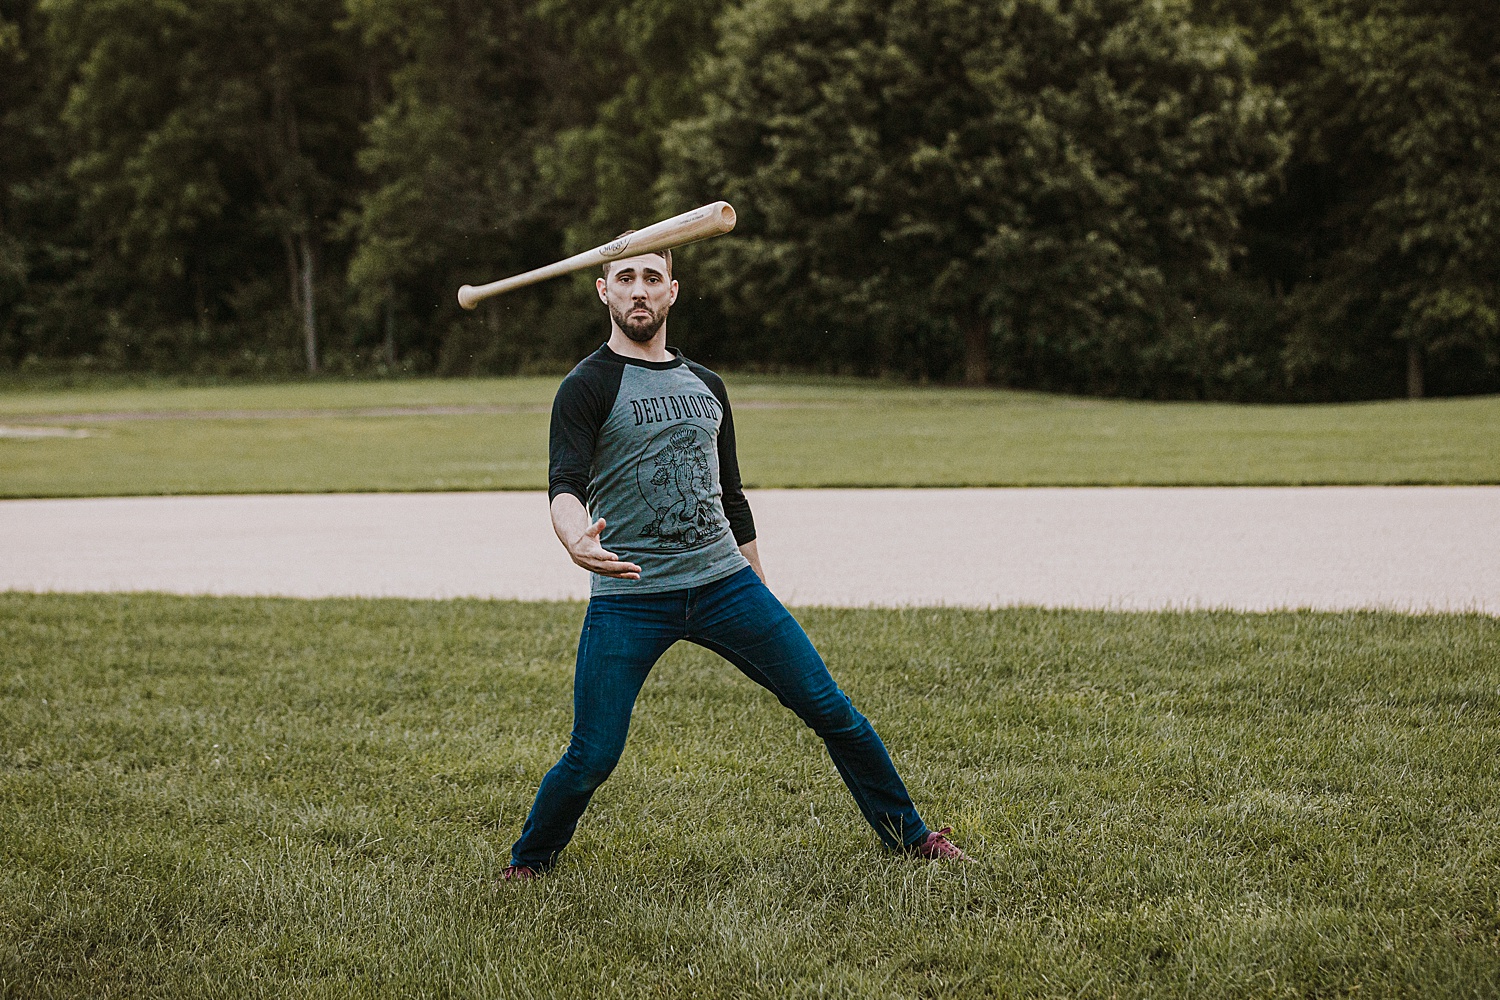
x=467, y=298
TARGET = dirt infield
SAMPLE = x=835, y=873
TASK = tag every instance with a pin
x=1407, y=548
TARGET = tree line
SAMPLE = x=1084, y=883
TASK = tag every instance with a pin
x=1285, y=199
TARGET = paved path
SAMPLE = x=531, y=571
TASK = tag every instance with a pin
x=1410, y=548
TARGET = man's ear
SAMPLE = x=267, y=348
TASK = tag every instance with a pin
x=599, y=287
x=673, y=300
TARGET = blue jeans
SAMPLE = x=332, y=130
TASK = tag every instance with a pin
x=742, y=621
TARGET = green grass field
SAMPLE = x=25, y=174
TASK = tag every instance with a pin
x=323, y=437
x=258, y=798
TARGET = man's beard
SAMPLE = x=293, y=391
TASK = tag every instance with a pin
x=640, y=331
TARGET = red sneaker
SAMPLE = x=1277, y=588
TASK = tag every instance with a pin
x=937, y=847
x=519, y=873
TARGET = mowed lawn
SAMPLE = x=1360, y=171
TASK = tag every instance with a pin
x=492, y=434
x=271, y=798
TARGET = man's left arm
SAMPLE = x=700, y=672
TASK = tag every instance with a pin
x=750, y=552
x=732, y=490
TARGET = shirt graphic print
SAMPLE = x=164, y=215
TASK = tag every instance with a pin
x=676, y=482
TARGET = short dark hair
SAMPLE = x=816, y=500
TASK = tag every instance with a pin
x=665, y=255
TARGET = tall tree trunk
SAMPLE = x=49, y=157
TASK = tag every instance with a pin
x=293, y=272
x=309, y=308
x=1414, y=372
x=976, y=350
x=390, y=331
x=200, y=301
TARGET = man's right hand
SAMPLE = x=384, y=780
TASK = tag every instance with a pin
x=571, y=522
x=588, y=552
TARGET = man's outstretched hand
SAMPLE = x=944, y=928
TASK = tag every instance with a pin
x=571, y=522
x=588, y=552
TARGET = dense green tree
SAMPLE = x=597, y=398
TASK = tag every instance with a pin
x=40, y=245
x=920, y=185
x=202, y=140
x=1079, y=195
x=14, y=170
x=1377, y=258
x=1401, y=117
x=632, y=77
x=454, y=194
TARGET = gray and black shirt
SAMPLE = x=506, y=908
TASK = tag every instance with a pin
x=649, y=447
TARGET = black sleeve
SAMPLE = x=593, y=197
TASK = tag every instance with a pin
x=582, y=403
x=736, y=507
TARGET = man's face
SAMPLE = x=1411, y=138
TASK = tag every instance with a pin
x=638, y=292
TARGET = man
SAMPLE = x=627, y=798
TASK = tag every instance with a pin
x=646, y=496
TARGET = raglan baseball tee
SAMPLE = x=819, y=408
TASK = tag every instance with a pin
x=649, y=447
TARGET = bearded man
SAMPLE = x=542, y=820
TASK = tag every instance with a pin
x=634, y=425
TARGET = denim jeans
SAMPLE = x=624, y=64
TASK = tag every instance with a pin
x=738, y=618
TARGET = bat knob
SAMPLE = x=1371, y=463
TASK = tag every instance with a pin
x=466, y=297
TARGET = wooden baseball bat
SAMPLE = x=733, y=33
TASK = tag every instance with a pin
x=689, y=227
